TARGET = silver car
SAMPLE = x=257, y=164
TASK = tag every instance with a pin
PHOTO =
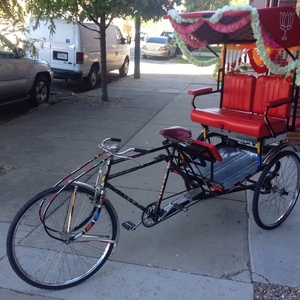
x=159, y=46
x=23, y=78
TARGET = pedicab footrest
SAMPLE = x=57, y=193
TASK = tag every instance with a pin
x=236, y=165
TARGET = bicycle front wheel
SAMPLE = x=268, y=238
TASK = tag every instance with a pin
x=56, y=244
x=277, y=190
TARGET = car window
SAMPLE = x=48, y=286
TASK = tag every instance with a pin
x=157, y=40
x=7, y=54
x=7, y=49
x=168, y=34
x=119, y=36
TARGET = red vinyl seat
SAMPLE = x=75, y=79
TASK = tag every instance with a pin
x=256, y=107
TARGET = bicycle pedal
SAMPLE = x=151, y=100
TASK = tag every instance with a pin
x=129, y=225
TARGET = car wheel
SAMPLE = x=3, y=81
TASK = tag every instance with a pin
x=40, y=91
x=168, y=55
x=145, y=56
x=123, y=71
x=91, y=79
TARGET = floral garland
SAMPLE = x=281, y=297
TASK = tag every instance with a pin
x=257, y=33
x=192, y=59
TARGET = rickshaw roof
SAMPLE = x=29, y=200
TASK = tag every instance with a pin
x=280, y=26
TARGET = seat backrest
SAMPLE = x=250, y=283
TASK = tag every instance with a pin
x=238, y=91
x=270, y=88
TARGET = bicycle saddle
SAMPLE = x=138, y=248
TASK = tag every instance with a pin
x=176, y=132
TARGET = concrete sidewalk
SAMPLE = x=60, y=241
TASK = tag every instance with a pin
x=212, y=251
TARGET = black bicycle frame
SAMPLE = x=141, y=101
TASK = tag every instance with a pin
x=170, y=158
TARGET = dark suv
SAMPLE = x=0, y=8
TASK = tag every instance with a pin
x=23, y=78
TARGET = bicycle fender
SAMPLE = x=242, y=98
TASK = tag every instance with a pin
x=278, y=149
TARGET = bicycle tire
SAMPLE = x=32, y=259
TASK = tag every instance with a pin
x=212, y=138
x=277, y=190
x=53, y=263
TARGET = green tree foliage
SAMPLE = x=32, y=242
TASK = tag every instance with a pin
x=153, y=9
x=196, y=5
x=11, y=22
x=11, y=11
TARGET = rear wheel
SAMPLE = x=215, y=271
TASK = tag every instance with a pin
x=123, y=71
x=52, y=244
x=277, y=190
x=212, y=138
x=91, y=79
x=40, y=91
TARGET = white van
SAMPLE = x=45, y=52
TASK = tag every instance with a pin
x=73, y=51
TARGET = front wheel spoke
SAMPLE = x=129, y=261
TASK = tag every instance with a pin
x=49, y=264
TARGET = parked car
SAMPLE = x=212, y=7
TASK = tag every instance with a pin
x=159, y=46
x=172, y=35
x=23, y=78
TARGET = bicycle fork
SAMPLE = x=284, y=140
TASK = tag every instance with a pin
x=68, y=221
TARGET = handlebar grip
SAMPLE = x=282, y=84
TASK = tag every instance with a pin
x=116, y=140
x=141, y=150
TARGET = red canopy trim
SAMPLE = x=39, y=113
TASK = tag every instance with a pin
x=280, y=24
x=274, y=28
x=232, y=27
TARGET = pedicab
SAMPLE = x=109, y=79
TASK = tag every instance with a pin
x=65, y=234
x=258, y=79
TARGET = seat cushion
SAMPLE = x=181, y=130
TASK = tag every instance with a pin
x=238, y=121
x=270, y=88
x=238, y=91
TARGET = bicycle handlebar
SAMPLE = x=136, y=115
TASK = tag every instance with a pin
x=113, y=148
x=115, y=140
x=140, y=150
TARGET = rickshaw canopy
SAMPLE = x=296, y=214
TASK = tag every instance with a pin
x=279, y=26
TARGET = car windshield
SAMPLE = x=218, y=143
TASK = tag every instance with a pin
x=157, y=40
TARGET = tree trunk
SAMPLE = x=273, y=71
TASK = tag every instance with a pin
x=103, y=58
x=137, y=46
